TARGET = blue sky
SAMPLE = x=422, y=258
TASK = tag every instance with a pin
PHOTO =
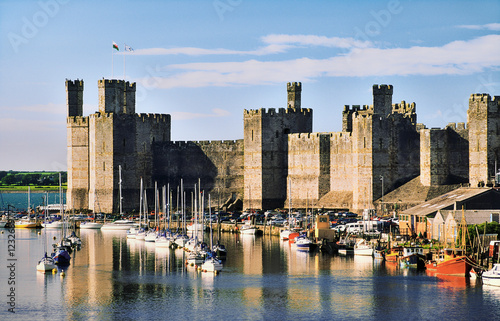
x=204, y=62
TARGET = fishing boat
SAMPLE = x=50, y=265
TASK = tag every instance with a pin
x=394, y=253
x=492, y=277
x=451, y=262
x=413, y=256
x=345, y=246
x=379, y=253
x=363, y=248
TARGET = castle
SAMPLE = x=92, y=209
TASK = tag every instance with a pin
x=280, y=161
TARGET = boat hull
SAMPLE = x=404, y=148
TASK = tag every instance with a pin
x=460, y=266
x=90, y=225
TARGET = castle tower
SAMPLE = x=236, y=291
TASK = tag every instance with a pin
x=483, y=118
x=266, y=151
x=78, y=146
x=74, y=97
x=382, y=99
x=294, y=91
x=116, y=96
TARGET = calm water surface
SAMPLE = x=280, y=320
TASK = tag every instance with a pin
x=114, y=278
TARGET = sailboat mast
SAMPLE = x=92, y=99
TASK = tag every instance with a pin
x=140, y=205
x=120, y=186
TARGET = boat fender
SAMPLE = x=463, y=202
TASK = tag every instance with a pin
x=54, y=271
x=63, y=274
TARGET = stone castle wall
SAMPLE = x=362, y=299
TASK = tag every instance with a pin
x=380, y=148
x=218, y=165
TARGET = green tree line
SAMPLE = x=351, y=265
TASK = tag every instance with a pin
x=32, y=178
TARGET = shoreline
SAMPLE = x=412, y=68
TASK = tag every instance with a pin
x=37, y=190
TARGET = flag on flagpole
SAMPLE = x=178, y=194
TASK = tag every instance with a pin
x=128, y=48
x=115, y=46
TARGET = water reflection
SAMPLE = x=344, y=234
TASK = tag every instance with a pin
x=263, y=278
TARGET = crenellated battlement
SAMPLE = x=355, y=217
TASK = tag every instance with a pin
x=292, y=86
x=480, y=97
x=116, y=83
x=355, y=108
x=272, y=112
x=404, y=107
x=77, y=120
x=159, y=118
x=72, y=85
x=382, y=89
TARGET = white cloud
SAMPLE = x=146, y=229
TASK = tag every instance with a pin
x=216, y=112
x=275, y=44
x=489, y=26
x=192, y=51
x=454, y=58
x=313, y=40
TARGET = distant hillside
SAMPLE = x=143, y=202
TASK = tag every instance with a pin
x=16, y=178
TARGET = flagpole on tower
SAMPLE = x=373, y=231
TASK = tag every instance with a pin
x=125, y=46
x=115, y=47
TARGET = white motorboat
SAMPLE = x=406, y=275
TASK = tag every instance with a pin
x=211, y=264
x=56, y=224
x=363, y=248
x=90, y=225
x=304, y=243
x=492, y=277
x=248, y=229
x=119, y=225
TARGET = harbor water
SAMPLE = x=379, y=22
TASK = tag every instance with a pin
x=115, y=278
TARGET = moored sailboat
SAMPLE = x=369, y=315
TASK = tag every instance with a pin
x=46, y=263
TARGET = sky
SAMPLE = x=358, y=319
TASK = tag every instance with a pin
x=204, y=62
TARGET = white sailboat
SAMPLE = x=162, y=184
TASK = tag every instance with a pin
x=46, y=263
x=118, y=225
x=93, y=224
x=212, y=263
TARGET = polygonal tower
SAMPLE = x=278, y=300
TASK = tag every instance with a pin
x=483, y=118
x=266, y=150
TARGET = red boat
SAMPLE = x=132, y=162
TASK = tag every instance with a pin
x=451, y=262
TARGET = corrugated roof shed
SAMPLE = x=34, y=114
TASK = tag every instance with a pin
x=446, y=201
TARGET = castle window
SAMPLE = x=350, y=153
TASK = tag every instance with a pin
x=103, y=166
x=277, y=133
x=381, y=143
x=124, y=142
x=252, y=134
x=364, y=142
x=103, y=146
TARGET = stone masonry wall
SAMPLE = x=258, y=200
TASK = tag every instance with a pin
x=308, y=168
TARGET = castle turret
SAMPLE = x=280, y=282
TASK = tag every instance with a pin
x=74, y=97
x=382, y=99
x=483, y=118
x=116, y=96
x=294, y=91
